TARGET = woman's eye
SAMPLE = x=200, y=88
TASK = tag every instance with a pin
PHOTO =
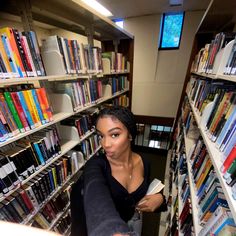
x=115, y=135
x=99, y=137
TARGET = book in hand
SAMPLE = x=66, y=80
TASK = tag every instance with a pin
x=155, y=187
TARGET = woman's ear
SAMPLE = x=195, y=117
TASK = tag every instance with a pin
x=130, y=137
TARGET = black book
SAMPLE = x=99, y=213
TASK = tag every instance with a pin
x=59, y=173
x=41, y=189
x=31, y=156
x=6, y=214
x=9, y=169
x=12, y=211
x=21, y=202
x=33, y=52
x=37, y=192
x=21, y=51
x=44, y=180
x=47, y=179
x=13, y=201
x=14, y=156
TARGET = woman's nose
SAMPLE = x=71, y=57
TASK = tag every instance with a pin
x=106, y=142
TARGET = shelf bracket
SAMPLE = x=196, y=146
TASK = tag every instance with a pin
x=89, y=32
x=26, y=15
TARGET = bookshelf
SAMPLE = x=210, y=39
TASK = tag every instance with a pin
x=197, y=126
x=75, y=17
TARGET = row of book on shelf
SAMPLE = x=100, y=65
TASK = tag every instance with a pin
x=213, y=213
x=34, y=203
x=24, y=107
x=21, y=56
x=220, y=96
x=85, y=92
x=228, y=167
x=24, y=157
x=217, y=57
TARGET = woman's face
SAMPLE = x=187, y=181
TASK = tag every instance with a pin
x=114, y=137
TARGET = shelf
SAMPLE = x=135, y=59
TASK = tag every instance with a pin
x=52, y=78
x=73, y=15
x=101, y=100
x=43, y=78
x=67, y=232
x=211, y=76
x=56, y=118
x=51, y=196
x=189, y=143
x=67, y=146
x=64, y=211
x=216, y=157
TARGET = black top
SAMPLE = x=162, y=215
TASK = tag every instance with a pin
x=98, y=189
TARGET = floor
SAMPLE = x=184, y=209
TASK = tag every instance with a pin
x=157, y=160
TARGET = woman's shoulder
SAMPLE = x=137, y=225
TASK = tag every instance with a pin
x=139, y=158
x=95, y=160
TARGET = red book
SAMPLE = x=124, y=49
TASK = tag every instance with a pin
x=228, y=161
x=20, y=110
x=26, y=200
x=44, y=104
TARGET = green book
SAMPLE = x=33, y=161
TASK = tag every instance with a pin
x=13, y=111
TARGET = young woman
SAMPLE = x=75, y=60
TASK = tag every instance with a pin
x=110, y=195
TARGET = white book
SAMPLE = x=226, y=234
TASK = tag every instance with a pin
x=155, y=187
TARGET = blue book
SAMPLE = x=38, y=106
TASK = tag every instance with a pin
x=230, y=145
x=25, y=109
x=228, y=137
x=10, y=59
x=3, y=130
x=226, y=127
x=51, y=179
x=215, y=193
x=2, y=138
x=227, y=221
x=36, y=101
x=39, y=154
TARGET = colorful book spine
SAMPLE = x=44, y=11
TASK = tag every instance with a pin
x=36, y=101
x=25, y=109
x=44, y=104
x=13, y=111
x=20, y=110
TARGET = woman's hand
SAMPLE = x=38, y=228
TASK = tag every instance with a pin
x=150, y=203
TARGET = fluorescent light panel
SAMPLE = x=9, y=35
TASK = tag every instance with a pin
x=97, y=7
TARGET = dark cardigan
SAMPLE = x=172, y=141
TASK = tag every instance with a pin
x=97, y=189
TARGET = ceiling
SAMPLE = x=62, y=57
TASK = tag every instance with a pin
x=133, y=8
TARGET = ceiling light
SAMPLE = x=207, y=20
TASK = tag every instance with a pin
x=97, y=7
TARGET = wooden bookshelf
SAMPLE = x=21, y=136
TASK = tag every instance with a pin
x=219, y=17
x=76, y=17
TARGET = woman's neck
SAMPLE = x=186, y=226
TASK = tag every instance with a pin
x=125, y=160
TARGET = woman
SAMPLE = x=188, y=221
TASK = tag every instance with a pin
x=113, y=186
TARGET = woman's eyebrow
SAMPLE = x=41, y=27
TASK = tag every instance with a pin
x=110, y=130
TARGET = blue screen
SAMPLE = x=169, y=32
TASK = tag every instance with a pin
x=171, y=30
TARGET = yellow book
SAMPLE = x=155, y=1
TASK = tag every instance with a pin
x=204, y=173
x=32, y=107
x=5, y=59
x=54, y=176
x=39, y=218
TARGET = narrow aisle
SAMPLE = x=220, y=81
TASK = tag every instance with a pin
x=157, y=160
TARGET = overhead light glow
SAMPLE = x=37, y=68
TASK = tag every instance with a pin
x=97, y=7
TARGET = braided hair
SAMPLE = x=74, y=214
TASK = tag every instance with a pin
x=124, y=115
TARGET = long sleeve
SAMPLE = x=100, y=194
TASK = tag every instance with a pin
x=102, y=218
